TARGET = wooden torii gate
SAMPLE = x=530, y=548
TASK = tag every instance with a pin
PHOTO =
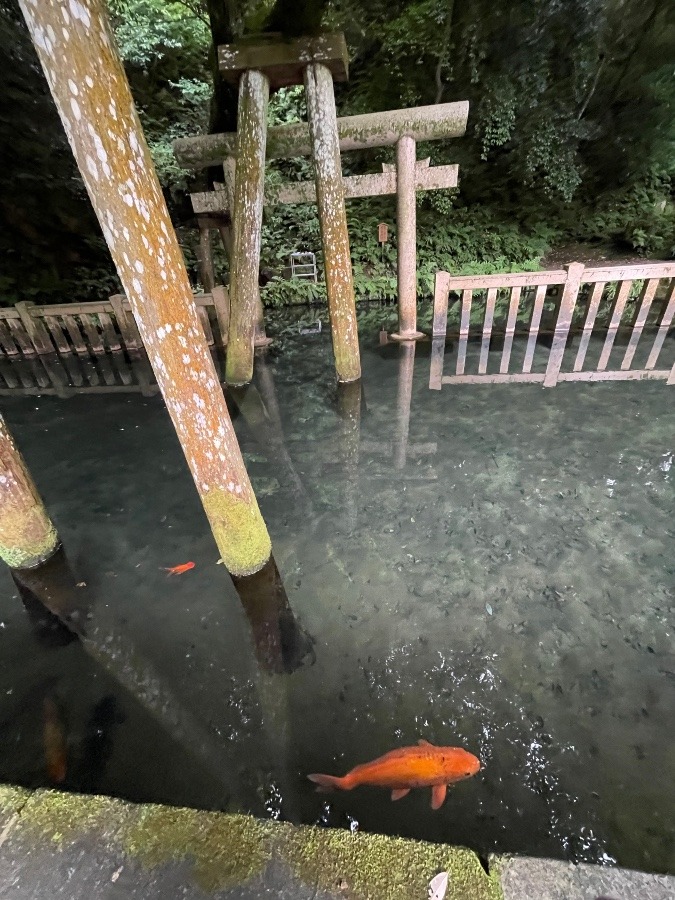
x=318, y=60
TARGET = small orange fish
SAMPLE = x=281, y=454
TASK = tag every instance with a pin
x=54, y=740
x=178, y=570
x=410, y=767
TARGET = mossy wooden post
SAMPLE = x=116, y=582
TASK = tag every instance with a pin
x=27, y=535
x=254, y=90
x=406, y=226
x=77, y=51
x=330, y=200
x=205, y=257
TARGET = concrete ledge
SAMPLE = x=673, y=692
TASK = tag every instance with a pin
x=57, y=845
x=552, y=879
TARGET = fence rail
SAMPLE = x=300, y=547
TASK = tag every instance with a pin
x=575, y=293
x=27, y=330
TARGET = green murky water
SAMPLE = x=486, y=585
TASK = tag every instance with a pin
x=488, y=566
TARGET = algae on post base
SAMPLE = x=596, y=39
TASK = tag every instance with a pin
x=27, y=535
x=239, y=530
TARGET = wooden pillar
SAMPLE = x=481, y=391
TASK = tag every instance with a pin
x=254, y=89
x=27, y=535
x=333, y=220
x=406, y=225
x=76, y=48
x=205, y=258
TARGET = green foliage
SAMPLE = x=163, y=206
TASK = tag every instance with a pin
x=165, y=47
x=641, y=218
x=470, y=241
x=571, y=135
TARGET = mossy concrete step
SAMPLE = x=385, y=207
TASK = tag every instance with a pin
x=57, y=845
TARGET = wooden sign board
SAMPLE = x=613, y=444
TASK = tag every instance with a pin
x=382, y=233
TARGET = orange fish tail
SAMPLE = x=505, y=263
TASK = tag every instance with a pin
x=331, y=782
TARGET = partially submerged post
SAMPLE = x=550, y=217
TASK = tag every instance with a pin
x=254, y=92
x=27, y=535
x=406, y=223
x=77, y=51
x=330, y=199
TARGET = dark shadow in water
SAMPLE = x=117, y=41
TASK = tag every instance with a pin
x=53, y=586
x=281, y=645
x=98, y=743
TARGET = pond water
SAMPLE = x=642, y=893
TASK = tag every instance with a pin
x=493, y=570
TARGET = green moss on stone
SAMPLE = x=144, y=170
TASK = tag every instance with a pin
x=225, y=850
x=60, y=817
x=239, y=530
x=12, y=801
x=229, y=850
x=373, y=867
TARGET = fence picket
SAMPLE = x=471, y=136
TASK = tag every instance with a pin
x=467, y=296
x=617, y=313
x=591, y=314
x=510, y=329
x=487, y=330
x=646, y=298
x=667, y=318
x=535, y=322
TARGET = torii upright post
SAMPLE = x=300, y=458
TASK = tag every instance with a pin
x=406, y=225
x=330, y=198
x=249, y=185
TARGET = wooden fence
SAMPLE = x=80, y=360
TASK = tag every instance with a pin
x=27, y=330
x=572, y=299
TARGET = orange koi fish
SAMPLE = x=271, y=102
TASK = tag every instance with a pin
x=410, y=767
x=178, y=570
x=54, y=741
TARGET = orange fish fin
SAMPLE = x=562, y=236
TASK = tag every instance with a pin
x=397, y=793
x=423, y=743
x=326, y=782
x=438, y=795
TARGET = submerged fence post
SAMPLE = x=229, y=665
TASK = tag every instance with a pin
x=27, y=535
x=330, y=200
x=76, y=48
x=406, y=226
x=249, y=183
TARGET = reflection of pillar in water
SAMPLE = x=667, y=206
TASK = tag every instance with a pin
x=27, y=535
x=57, y=374
x=53, y=586
x=436, y=368
x=406, y=368
x=349, y=410
x=265, y=426
x=281, y=646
